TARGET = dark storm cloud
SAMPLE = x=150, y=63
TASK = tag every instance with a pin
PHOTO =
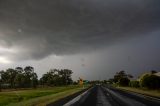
x=39, y=28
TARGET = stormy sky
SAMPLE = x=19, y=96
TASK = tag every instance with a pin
x=94, y=38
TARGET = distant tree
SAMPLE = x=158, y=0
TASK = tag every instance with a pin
x=20, y=80
x=56, y=77
x=130, y=76
x=50, y=77
x=122, y=78
x=105, y=81
x=150, y=81
x=19, y=69
x=153, y=71
x=111, y=81
x=0, y=82
x=34, y=80
x=75, y=83
x=20, y=77
x=134, y=84
x=28, y=71
x=124, y=81
x=4, y=77
x=65, y=75
x=0, y=85
x=11, y=75
x=44, y=79
x=119, y=75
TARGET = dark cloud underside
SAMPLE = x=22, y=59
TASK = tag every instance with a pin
x=43, y=27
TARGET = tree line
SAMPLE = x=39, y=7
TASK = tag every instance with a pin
x=27, y=78
x=148, y=80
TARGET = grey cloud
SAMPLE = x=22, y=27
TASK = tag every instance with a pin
x=39, y=28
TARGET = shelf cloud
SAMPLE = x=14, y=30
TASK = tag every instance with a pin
x=38, y=28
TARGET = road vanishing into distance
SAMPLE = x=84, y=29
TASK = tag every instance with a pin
x=99, y=95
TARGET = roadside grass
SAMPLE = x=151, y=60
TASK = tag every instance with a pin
x=153, y=93
x=36, y=97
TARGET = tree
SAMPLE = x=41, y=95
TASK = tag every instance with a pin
x=0, y=85
x=153, y=71
x=50, y=77
x=11, y=75
x=150, y=81
x=28, y=71
x=0, y=81
x=122, y=78
x=124, y=81
x=110, y=81
x=34, y=79
x=4, y=77
x=119, y=75
x=134, y=84
x=65, y=74
x=19, y=69
x=20, y=78
x=56, y=77
x=130, y=76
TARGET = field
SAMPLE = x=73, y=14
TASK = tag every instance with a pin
x=36, y=97
x=154, y=93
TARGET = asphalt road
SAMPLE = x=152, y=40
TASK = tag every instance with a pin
x=106, y=96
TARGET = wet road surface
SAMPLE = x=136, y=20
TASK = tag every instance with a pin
x=105, y=96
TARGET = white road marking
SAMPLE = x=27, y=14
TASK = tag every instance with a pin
x=128, y=101
x=76, y=98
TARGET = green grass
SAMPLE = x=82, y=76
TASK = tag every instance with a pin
x=154, y=93
x=36, y=97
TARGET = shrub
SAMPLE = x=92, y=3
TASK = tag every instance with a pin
x=150, y=81
x=124, y=82
x=134, y=84
x=142, y=78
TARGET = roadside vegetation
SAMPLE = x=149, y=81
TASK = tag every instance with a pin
x=147, y=83
x=36, y=97
x=148, y=92
x=22, y=87
x=26, y=78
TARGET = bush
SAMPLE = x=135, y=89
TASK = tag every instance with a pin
x=134, y=84
x=124, y=82
x=150, y=81
x=143, y=79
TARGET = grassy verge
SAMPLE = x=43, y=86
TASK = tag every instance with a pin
x=36, y=97
x=153, y=93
